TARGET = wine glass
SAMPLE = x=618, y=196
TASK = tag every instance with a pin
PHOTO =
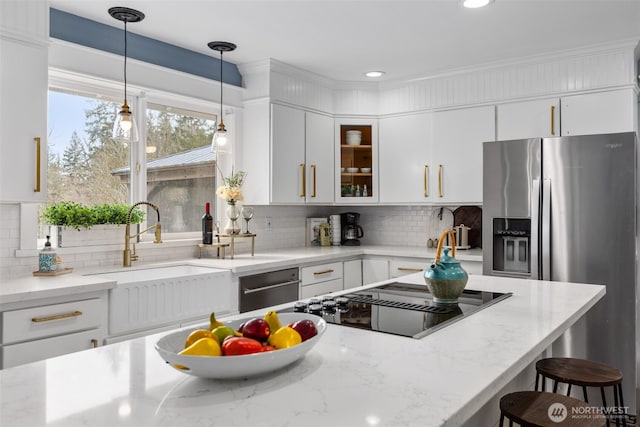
x=247, y=214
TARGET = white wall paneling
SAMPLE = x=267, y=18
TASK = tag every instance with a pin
x=27, y=21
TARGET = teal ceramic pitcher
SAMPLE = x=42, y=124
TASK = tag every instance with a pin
x=445, y=277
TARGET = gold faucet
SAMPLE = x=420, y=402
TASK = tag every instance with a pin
x=127, y=255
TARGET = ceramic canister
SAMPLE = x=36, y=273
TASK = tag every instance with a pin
x=47, y=261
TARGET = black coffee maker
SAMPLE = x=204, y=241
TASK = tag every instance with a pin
x=351, y=230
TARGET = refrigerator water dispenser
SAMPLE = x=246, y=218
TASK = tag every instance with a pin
x=512, y=245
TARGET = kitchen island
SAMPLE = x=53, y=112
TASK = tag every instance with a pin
x=351, y=377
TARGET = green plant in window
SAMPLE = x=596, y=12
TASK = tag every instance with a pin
x=77, y=215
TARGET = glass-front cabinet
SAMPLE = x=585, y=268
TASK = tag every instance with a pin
x=356, y=161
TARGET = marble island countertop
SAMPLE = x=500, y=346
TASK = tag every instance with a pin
x=351, y=377
x=30, y=288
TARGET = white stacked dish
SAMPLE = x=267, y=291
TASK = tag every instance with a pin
x=365, y=170
x=354, y=137
x=336, y=230
x=352, y=170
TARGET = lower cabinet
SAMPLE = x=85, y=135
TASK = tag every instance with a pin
x=42, y=329
x=401, y=267
x=352, y=274
x=321, y=279
x=374, y=270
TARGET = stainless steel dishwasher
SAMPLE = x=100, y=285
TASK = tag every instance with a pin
x=267, y=289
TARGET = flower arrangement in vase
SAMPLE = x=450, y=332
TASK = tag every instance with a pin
x=231, y=192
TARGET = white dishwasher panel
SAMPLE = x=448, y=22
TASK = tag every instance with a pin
x=135, y=306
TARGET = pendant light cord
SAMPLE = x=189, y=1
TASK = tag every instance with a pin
x=221, y=121
x=125, y=61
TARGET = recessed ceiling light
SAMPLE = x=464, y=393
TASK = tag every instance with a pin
x=374, y=73
x=476, y=3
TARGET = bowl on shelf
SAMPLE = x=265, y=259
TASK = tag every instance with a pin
x=237, y=366
x=365, y=170
x=352, y=170
x=354, y=137
x=341, y=169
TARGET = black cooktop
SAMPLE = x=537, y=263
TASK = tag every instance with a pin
x=397, y=308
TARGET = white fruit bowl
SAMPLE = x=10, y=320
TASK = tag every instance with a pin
x=237, y=366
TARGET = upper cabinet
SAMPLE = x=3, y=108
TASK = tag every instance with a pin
x=356, y=142
x=599, y=112
x=584, y=114
x=457, y=137
x=301, y=156
x=405, y=159
x=528, y=119
x=23, y=107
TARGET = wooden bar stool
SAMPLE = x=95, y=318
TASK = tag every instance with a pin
x=543, y=409
x=582, y=373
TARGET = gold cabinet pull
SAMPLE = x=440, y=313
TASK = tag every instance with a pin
x=56, y=317
x=37, y=140
x=553, y=120
x=94, y=343
x=317, y=273
x=304, y=180
x=409, y=269
x=440, y=181
x=425, y=182
x=313, y=167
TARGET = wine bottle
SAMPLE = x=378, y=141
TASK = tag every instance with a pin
x=207, y=225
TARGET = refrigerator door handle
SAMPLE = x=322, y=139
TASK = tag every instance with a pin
x=535, y=220
x=546, y=230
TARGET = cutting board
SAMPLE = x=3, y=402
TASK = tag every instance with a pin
x=471, y=216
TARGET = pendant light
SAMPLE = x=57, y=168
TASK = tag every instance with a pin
x=125, y=126
x=220, y=137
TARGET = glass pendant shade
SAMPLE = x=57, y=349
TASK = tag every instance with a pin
x=125, y=127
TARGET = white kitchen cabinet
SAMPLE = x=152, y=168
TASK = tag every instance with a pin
x=528, y=119
x=321, y=279
x=23, y=121
x=582, y=114
x=301, y=156
x=457, y=153
x=405, y=159
x=402, y=267
x=374, y=270
x=287, y=155
x=352, y=274
x=600, y=112
x=356, y=163
x=42, y=330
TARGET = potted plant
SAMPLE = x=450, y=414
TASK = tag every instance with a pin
x=83, y=225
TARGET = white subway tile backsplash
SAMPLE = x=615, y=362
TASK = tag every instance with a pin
x=382, y=225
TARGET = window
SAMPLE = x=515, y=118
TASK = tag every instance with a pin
x=87, y=166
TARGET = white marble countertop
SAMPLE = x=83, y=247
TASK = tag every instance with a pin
x=30, y=288
x=351, y=377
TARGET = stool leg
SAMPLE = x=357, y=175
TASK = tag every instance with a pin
x=624, y=411
x=537, y=377
x=584, y=393
x=604, y=404
x=544, y=383
x=569, y=390
x=555, y=386
x=501, y=419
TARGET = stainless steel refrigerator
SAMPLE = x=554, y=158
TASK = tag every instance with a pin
x=564, y=209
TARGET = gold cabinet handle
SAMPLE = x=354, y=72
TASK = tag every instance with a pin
x=304, y=180
x=37, y=140
x=440, y=181
x=409, y=269
x=317, y=273
x=425, y=182
x=313, y=167
x=94, y=343
x=553, y=120
x=56, y=317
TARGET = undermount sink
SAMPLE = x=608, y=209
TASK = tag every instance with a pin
x=156, y=273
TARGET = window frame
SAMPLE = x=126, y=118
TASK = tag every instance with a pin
x=139, y=99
